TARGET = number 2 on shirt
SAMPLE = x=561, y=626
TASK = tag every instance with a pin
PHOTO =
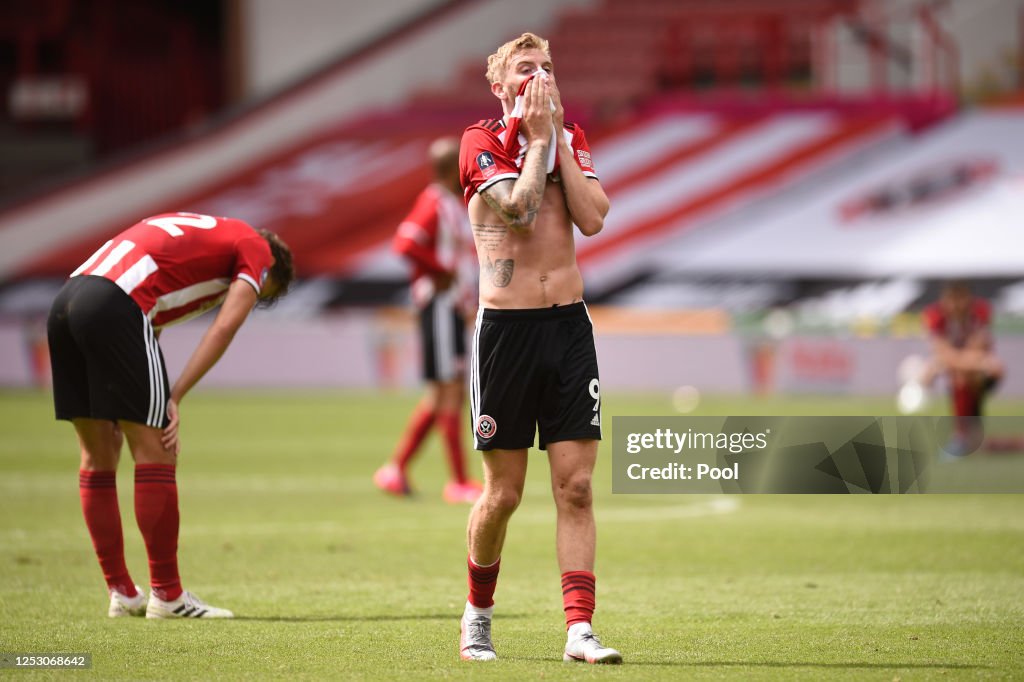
x=172, y=224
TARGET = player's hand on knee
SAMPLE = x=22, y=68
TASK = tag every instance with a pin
x=992, y=366
x=170, y=435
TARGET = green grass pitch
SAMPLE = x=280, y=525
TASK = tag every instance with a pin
x=333, y=580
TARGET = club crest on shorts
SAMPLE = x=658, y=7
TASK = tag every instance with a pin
x=486, y=427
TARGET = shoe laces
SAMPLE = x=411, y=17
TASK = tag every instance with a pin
x=591, y=637
x=479, y=630
x=193, y=599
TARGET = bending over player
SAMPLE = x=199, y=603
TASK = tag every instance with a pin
x=109, y=378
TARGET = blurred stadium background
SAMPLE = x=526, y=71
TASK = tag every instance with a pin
x=790, y=179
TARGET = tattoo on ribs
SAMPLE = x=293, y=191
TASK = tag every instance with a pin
x=500, y=271
x=490, y=235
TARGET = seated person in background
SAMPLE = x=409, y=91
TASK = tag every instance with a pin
x=959, y=326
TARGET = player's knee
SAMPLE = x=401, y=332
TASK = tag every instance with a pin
x=146, y=445
x=449, y=396
x=450, y=403
x=98, y=461
x=150, y=453
x=574, y=493
x=99, y=445
x=501, y=501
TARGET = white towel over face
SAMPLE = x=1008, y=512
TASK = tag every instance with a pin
x=515, y=142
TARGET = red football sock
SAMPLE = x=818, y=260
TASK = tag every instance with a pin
x=578, y=598
x=450, y=424
x=965, y=400
x=415, y=431
x=966, y=407
x=482, y=581
x=98, y=492
x=156, y=511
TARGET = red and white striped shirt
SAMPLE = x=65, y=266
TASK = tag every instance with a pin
x=489, y=154
x=435, y=237
x=958, y=331
x=178, y=265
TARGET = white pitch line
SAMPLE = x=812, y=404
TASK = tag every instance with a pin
x=712, y=507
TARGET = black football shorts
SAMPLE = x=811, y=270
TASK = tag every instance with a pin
x=442, y=338
x=534, y=369
x=105, y=357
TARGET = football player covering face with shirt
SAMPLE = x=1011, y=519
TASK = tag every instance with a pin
x=523, y=226
x=528, y=179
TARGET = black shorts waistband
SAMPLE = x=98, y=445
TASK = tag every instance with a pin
x=557, y=312
x=103, y=286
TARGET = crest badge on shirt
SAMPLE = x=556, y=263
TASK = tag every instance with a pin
x=485, y=162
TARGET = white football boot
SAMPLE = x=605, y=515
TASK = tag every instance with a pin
x=187, y=605
x=121, y=606
x=475, y=640
x=583, y=645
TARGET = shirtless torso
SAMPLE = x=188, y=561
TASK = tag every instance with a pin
x=522, y=215
x=533, y=269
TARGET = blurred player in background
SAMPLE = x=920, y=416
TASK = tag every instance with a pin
x=528, y=178
x=436, y=240
x=959, y=326
x=109, y=377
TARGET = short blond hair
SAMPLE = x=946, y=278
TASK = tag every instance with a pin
x=497, y=63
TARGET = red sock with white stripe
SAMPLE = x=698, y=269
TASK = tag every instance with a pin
x=415, y=431
x=578, y=597
x=98, y=493
x=156, y=511
x=451, y=427
x=482, y=581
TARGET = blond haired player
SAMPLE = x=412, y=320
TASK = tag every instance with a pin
x=528, y=180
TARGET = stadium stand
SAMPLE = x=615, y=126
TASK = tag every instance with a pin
x=336, y=192
x=917, y=209
x=742, y=175
x=175, y=171
x=87, y=80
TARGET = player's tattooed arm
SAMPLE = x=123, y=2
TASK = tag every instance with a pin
x=517, y=203
x=499, y=271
